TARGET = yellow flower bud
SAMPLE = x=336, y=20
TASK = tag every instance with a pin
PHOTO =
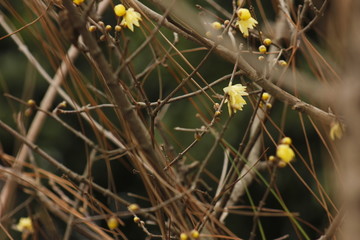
x=272, y=158
x=92, y=28
x=133, y=207
x=286, y=140
x=285, y=153
x=195, y=234
x=262, y=49
x=112, y=223
x=118, y=28
x=120, y=10
x=184, y=236
x=282, y=63
x=31, y=103
x=108, y=28
x=216, y=25
x=267, y=42
x=261, y=58
x=136, y=219
x=336, y=131
x=101, y=23
x=265, y=96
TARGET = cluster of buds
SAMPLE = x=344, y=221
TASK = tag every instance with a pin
x=194, y=234
x=284, y=153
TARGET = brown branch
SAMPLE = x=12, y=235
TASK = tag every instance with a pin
x=60, y=166
x=125, y=108
x=250, y=72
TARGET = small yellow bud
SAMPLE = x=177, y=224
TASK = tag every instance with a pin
x=112, y=223
x=336, y=131
x=108, y=28
x=195, y=234
x=282, y=63
x=285, y=153
x=216, y=25
x=226, y=22
x=268, y=105
x=286, y=140
x=262, y=49
x=217, y=113
x=101, y=23
x=265, y=96
x=267, y=42
x=216, y=106
x=261, y=58
x=31, y=103
x=92, y=28
x=282, y=164
x=208, y=34
x=184, y=236
x=272, y=158
x=118, y=28
x=136, y=219
x=78, y=2
x=244, y=14
x=120, y=10
x=133, y=207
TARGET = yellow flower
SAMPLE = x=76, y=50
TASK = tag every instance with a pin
x=245, y=21
x=285, y=153
x=131, y=18
x=78, y=2
x=25, y=224
x=235, y=100
x=336, y=131
x=112, y=223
